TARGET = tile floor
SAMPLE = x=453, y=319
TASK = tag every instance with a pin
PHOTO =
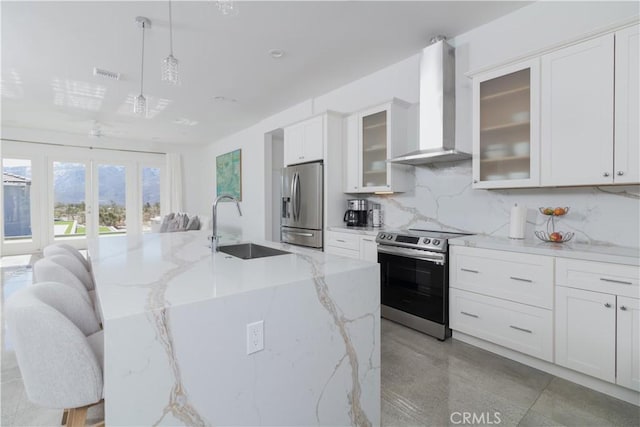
x=425, y=382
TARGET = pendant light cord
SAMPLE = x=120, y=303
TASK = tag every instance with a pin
x=170, y=31
x=142, y=65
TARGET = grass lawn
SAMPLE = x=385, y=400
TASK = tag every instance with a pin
x=81, y=229
x=101, y=230
x=69, y=224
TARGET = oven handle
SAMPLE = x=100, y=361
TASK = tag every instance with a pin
x=434, y=257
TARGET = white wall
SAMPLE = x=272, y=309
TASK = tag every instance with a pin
x=529, y=29
x=399, y=80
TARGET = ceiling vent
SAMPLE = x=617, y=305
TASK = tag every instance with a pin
x=106, y=74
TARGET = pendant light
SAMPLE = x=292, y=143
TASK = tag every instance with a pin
x=170, y=63
x=140, y=102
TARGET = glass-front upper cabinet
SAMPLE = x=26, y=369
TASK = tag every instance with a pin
x=374, y=149
x=506, y=142
x=374, y=136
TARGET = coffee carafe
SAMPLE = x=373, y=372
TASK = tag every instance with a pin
x=357, y=212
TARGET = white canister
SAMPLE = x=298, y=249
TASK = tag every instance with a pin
x=518, y=222
x=376, y=216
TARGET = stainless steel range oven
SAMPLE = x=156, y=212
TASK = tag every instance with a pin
x=414, y=274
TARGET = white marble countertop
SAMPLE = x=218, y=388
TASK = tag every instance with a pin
x=137, y=274
x=602, y=253
x=364, y=231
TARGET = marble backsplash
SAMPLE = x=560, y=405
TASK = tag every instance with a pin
x=443, y=199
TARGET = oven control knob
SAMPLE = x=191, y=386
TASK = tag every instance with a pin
x=381, y=236
x=427, y=240
x=389, y=237
x=436, y=242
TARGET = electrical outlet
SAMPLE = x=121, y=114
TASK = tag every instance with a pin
x=255, y=337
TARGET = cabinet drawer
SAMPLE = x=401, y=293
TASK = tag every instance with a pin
x=599, y=276
x=343, y=240
x=519, y=327
x=342, y=252
x=523, y=278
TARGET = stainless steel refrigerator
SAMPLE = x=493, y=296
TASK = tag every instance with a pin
x=301, y=207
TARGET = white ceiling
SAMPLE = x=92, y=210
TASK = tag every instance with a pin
x=49, y=50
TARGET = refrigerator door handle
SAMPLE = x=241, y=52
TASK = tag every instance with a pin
x=293, y=195
x=297, y=205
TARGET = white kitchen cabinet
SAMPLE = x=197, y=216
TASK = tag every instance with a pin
x=506, y=140
x=336, y=250
x=351, y=160
x=373, y=136
x=590, y=115
x=347, y=241
x=586, y=332
x=628, y=343
x=598, y=319
x=513, y=276
x=516, y=326
x=503, y=297
x=602, y=277
x=368, y=248
x=575, y=109
x=599, y=334
x=351, y=245
x=303, y=142
x=627, y=112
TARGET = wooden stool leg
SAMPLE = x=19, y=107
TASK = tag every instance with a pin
x=77, y=417
x=64, y=417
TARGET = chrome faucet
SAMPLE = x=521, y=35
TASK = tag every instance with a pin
x=214, y=219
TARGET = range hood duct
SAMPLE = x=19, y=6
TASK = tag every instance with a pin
x=437, y=107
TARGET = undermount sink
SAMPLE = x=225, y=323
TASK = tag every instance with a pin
x=250, y=251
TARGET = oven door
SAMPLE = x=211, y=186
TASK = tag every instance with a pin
x=414, y=281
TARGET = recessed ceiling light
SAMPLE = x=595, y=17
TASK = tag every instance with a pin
x=276, y=53
x=221, y=98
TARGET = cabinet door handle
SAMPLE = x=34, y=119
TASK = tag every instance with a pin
x=340, y=240
x=367, y=240
x=606, y=174
x=475, y=316
x=529, y=331
x=623, y=308
x=520, y=279
x=475, y=181
x=469, y=270
x=620, y=173
x=606, y=304
x=622, y=282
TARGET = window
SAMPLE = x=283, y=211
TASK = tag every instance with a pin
x=150, y=198
x=16, y=181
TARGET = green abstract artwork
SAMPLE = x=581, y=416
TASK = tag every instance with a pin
x=229, y=174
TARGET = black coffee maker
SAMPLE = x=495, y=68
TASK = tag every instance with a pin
x=357, y=212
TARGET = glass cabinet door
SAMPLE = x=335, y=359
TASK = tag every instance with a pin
x=506, y=143
x=374, y=149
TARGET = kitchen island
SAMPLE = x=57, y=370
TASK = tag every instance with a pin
x=175, y=324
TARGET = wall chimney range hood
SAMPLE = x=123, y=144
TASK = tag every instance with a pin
x=437, y=107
